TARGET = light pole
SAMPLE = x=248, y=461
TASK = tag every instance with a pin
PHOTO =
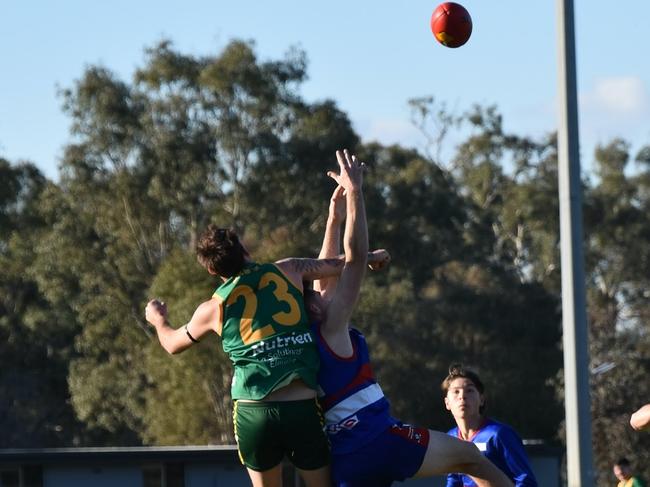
x=574, y=319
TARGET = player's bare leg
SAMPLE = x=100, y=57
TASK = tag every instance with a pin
x=316, y=478
x=268, y=478
x=273, y=477
x=446, y=454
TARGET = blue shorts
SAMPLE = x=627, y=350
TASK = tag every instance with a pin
x=396, y=454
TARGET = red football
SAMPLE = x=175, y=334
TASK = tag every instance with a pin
x=451, y=24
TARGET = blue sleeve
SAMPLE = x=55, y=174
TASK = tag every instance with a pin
x=516, y=458
x=454, y=480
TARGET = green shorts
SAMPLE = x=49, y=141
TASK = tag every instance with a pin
x=267, y=431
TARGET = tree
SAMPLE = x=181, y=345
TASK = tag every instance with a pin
x=454, y=294
x=618, y=234
x=227, y=139
x=191, y=140
x=34, y=345
x=187, y=400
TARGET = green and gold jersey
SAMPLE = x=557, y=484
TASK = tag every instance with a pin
x=265, y=332
x=631, y=482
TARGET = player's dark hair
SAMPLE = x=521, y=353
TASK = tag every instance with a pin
x=459, y=371
x=308, y=290
x=623, y=462
x=220, y=251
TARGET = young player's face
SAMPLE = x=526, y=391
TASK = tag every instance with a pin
x=622, y=473
x=463, y=399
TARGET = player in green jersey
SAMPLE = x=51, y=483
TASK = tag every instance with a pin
x=623, y=472
x=259, y=313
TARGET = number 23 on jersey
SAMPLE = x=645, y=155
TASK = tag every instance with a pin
x=248, y=315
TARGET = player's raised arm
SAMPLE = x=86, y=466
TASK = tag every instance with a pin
x=325, y=270
x=331, y=246
x=355, y=243
x=299, y=269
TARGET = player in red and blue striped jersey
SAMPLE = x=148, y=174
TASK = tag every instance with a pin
x=369, y=447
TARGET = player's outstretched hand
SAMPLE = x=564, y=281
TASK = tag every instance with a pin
x=351, y=171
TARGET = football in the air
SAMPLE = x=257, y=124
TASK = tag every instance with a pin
x=451, y=24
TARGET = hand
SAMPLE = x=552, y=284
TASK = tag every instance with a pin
x=378, y=259
x=156, y=313
x=337, y=205
x=351, y=171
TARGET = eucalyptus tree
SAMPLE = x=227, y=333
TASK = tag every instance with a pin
x=188, y=141
x=617, y=252
x=35, y=339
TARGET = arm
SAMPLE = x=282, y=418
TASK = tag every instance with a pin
x=330, y=262
x=355, y=243
x=377, y=259
x=299, y=269
x=331, y=239
x=640, y=420
x=176, y=340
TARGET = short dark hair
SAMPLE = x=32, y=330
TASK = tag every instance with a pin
x=459, y=371
x=220, y=251
x=623, y=462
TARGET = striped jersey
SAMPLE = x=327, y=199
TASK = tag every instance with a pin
x=355, y=408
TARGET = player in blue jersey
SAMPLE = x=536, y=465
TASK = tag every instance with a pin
x=369, y=447
x=464, y=397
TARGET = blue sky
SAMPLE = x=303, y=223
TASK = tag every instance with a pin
x=369, y=56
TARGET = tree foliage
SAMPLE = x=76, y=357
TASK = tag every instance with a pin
x=228, y=139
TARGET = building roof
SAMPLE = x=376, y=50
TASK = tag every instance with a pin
x=222, y=454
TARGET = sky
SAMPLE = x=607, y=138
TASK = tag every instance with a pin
x=371, y=57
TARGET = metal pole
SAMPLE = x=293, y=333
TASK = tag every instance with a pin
x=574, y=319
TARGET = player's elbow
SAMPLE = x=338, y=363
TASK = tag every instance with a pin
x=640, y=420
x=636, y=423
